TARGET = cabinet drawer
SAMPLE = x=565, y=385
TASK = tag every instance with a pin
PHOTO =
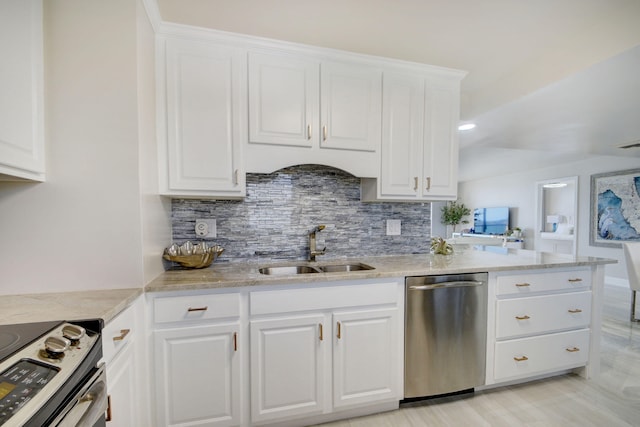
x=546, y=313
x=196, y=307
x=528, y=283
x=117, y=333
x=536, y=355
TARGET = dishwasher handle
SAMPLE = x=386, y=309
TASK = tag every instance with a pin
x=454, y=284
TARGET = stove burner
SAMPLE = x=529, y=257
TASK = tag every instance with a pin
x=8, y=339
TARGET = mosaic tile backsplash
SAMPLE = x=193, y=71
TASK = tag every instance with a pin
x=273, y=221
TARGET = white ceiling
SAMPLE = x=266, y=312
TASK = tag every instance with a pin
x=550, y=81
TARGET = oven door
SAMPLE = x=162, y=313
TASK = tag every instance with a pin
x=87, y=407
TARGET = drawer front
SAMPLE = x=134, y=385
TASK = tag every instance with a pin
x=196, y=307
x=529, y=283
x=117, y=333
x=541, y=314
x=322, y=298
x=536, y=355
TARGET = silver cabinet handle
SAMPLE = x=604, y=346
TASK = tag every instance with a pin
x=457, y=284
x=235, y=177
x=309, y=131
x=324, y=132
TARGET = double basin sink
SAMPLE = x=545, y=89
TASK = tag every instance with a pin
x=308, y=269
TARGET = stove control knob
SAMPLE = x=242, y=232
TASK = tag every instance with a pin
x=56, y=345
x=73, y=332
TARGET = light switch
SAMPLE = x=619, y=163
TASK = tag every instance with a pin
x=394, y=227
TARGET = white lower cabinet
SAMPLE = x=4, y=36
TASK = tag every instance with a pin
x=364, y=359
x=323, y=350
x=197, y=359
x=198, y=376
x=124, y=357
x=541, y=323
x=288, y=359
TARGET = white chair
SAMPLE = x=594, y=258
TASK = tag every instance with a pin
x=632, y=258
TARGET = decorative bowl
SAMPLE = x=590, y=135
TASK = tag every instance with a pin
x=193, y=256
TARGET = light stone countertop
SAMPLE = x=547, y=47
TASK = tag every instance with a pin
x=465, y=259
x=106, y=304
x=97, y=304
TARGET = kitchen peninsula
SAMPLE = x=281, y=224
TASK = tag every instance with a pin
x=295, y=349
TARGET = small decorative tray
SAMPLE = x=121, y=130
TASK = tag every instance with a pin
x=189, y=255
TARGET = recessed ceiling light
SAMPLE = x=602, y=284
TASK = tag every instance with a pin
x=467, y=126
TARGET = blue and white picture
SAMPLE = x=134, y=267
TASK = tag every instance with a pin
x=615, y=204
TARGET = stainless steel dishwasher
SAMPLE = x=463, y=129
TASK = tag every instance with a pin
x=445, y=334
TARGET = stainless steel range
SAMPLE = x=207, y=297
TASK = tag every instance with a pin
x=49, y=374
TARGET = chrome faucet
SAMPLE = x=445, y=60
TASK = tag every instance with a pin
x=312, y=243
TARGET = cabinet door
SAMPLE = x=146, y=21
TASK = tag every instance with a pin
x=21, y=86
x=121, y=380
x=440, y=165
x=205, y=120
x=288, y=357
x=197, y=375
x=365, y=357
x=283, y=100
x=401, y=152
x=351, y=100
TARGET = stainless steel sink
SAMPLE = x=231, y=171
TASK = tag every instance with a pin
x=307, y=269
x=288, y=270
x=344, y=267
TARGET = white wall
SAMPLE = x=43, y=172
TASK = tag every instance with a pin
x=518, y=191
x=156, y=210
x=81, y=229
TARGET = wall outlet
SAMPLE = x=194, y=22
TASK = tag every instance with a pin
x=206, y=228
x=394, y=227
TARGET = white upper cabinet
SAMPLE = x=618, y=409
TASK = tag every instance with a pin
x=419, y=154
x=308, y=110
x=351, y=107
x=283, y=100
x=440, y=151
x=21, y=91
x=202, y=119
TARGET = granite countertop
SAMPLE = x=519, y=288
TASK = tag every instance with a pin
x=96, y=304
x=106, y=304
x=465, y=259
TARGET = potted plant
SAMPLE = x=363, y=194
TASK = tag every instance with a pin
x=453, y=214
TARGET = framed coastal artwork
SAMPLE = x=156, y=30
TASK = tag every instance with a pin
x=615, y=208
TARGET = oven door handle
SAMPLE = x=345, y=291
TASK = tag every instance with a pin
x=87, y=408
